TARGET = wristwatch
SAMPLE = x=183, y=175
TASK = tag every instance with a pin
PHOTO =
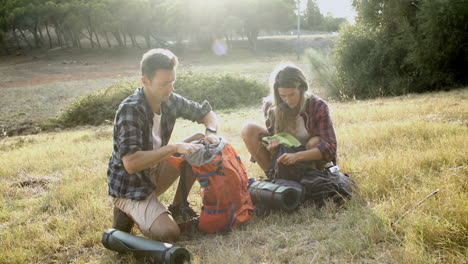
x=212, y=130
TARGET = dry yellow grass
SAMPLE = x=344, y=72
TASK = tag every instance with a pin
x=54, y=205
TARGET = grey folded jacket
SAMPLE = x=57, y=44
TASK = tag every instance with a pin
x=206, y=154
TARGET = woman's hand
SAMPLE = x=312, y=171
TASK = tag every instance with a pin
x=288, y=158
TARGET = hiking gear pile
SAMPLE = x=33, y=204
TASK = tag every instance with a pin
x=315, y=185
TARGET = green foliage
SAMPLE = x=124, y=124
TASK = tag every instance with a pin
x=176, y=20
x=403, y=46
x=333, y=24
x=222, y=91
x=360, y=62
x=313, y=19
x=324, y=74
x=257, y=15
x=225, y=91
x=439, y=50
x=97, y=107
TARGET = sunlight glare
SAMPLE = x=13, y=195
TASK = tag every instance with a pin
x=219, y=47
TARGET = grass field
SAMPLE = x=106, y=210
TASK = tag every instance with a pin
x=54, y=205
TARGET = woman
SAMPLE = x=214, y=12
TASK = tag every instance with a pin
x=292, y=110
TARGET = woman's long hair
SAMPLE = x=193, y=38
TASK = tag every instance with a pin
x=283, y=117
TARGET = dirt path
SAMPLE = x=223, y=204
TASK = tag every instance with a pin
x=65, y=65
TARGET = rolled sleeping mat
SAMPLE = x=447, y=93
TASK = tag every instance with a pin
x=274, y=196
x=156, y=251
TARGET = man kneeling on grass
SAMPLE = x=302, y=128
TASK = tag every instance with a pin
x=138, y=173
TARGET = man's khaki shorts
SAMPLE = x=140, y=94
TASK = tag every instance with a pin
x=145, y=212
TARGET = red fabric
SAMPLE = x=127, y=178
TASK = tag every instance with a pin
x=225, y=190
x=212, y=223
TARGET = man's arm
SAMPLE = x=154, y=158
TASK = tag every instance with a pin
x=200, y=113
x=211, y=123
x=141, y=160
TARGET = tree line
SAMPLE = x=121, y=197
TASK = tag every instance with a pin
x=104, y=23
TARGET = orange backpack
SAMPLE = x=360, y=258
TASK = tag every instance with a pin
x=224, y=182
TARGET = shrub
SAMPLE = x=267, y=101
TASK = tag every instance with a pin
x=401, y=47
x=359, y=61
x=95, y=108
x=439, y=48
x=222, y=91
x=324, y=74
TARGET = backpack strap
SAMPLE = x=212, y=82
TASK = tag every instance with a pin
x=232, y=219
x=205, y=175
x=217, y=211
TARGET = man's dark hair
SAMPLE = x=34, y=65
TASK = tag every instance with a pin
x=156, y=59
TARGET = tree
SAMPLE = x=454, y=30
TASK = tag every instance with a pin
x=439, y=49
x=313, y=16
x=6, y=21
x=396, y=47
x=333, y=24
x=257, y=15
x=67, y=22
x=55, y=15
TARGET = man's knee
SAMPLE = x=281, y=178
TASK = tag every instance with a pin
x=169, y=234
x=164, y=228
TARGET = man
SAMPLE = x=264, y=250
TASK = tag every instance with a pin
x=137, y=172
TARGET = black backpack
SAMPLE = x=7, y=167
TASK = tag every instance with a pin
x=317, y=185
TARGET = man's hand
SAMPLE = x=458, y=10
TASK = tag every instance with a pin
x=288, y=158
x=187, y=148
x=272, y=145
x=211, y=139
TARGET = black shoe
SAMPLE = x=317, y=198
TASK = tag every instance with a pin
x=189, y=226
x=182, y=212
x=122, y=221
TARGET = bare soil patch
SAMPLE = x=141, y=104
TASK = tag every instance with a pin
x=34, y=67
x=36, y=85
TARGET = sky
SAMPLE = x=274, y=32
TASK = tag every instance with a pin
x=338, y=8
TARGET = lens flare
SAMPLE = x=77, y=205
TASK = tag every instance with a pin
x=219, y=47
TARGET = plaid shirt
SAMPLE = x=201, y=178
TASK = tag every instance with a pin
x=317, y=122
x=133, y=125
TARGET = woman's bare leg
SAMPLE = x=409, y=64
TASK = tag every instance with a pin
x=250, y=133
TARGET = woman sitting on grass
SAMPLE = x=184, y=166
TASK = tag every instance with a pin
x=291, y=109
